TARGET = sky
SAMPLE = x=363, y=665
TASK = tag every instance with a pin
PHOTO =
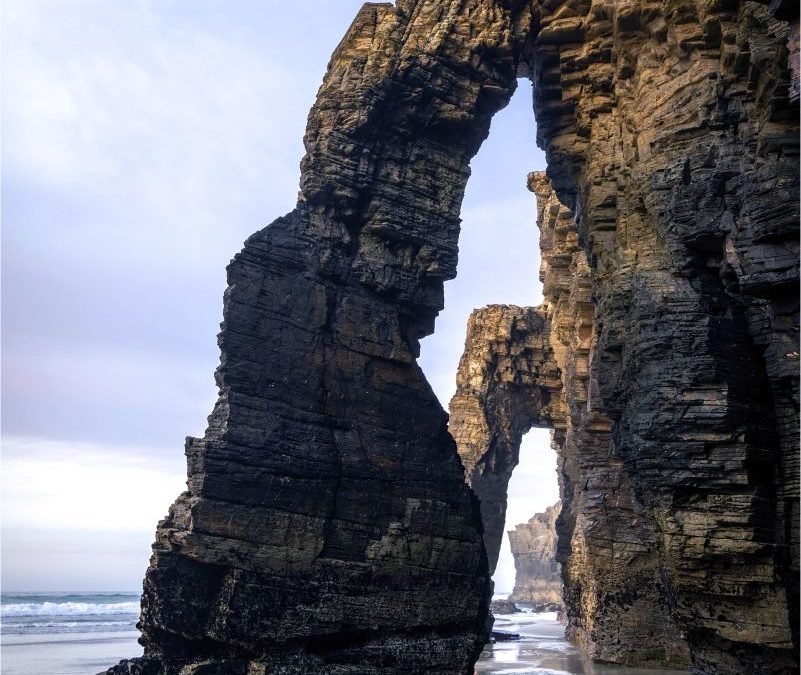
x=143, y=142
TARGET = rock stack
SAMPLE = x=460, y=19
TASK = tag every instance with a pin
x=538, y=581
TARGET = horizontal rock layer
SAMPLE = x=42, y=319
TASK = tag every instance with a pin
x=326, y=527
x=538, y=580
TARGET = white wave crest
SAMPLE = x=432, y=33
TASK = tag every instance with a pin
x=68, y=608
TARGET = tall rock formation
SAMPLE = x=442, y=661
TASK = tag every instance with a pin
x=669, y=130
x=537, y=577
x=326, y=526
x=530, y=366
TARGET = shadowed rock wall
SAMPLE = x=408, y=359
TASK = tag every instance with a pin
x=326, y=527
x=670, y=131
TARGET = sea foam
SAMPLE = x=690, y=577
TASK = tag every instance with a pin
x=67, y=608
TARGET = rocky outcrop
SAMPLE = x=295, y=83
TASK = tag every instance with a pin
x=503, y=607
x=669, y=131
x=538, y=580
x=507, y=382
x=613, y=588
x=326, y=526
x=530, y=366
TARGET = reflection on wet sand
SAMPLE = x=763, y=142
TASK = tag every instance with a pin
x=543, y=650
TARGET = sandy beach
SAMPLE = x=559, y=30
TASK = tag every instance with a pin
x=66, y=654
x=542, y=650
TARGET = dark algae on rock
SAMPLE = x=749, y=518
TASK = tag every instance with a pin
x=327, y=526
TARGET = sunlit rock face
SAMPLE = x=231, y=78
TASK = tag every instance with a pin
x=538, y=581
x=326, y=526
x=530, y=366
x=507, y=381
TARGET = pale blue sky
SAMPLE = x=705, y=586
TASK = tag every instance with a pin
x=143, y=141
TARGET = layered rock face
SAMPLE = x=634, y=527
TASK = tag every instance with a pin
x=326, y=526
x=530, y=366
x=507, y=382
x=537, y=577
x=670, y=131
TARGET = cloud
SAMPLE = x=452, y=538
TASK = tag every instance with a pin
x=85, y=486
x=142, y=143
x=167, y=140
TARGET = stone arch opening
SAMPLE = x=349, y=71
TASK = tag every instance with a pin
x=499, y=260
x=326, y=525
x=532, y=490
x=498, y=240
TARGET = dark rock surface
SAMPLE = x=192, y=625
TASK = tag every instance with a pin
x=538, y=579
x=503, y=607
x=504, y=636
x=326, y=527
x=670, y=132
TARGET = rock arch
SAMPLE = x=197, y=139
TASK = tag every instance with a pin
x=326, y=527
x=531, y=366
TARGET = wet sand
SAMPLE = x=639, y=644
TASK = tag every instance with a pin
x=66, y=653
x=543, y=650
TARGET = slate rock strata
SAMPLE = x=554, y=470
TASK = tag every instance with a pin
x=527, y=367
x=670, y=132
x=538, y=579
x=326, y=526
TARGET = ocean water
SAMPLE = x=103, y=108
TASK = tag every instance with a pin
x=85, y=633
x=49, y=613
x=543, y=650
x=66, y=633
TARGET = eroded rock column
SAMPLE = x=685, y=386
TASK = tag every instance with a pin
x=326, y=526
x=538, y=580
